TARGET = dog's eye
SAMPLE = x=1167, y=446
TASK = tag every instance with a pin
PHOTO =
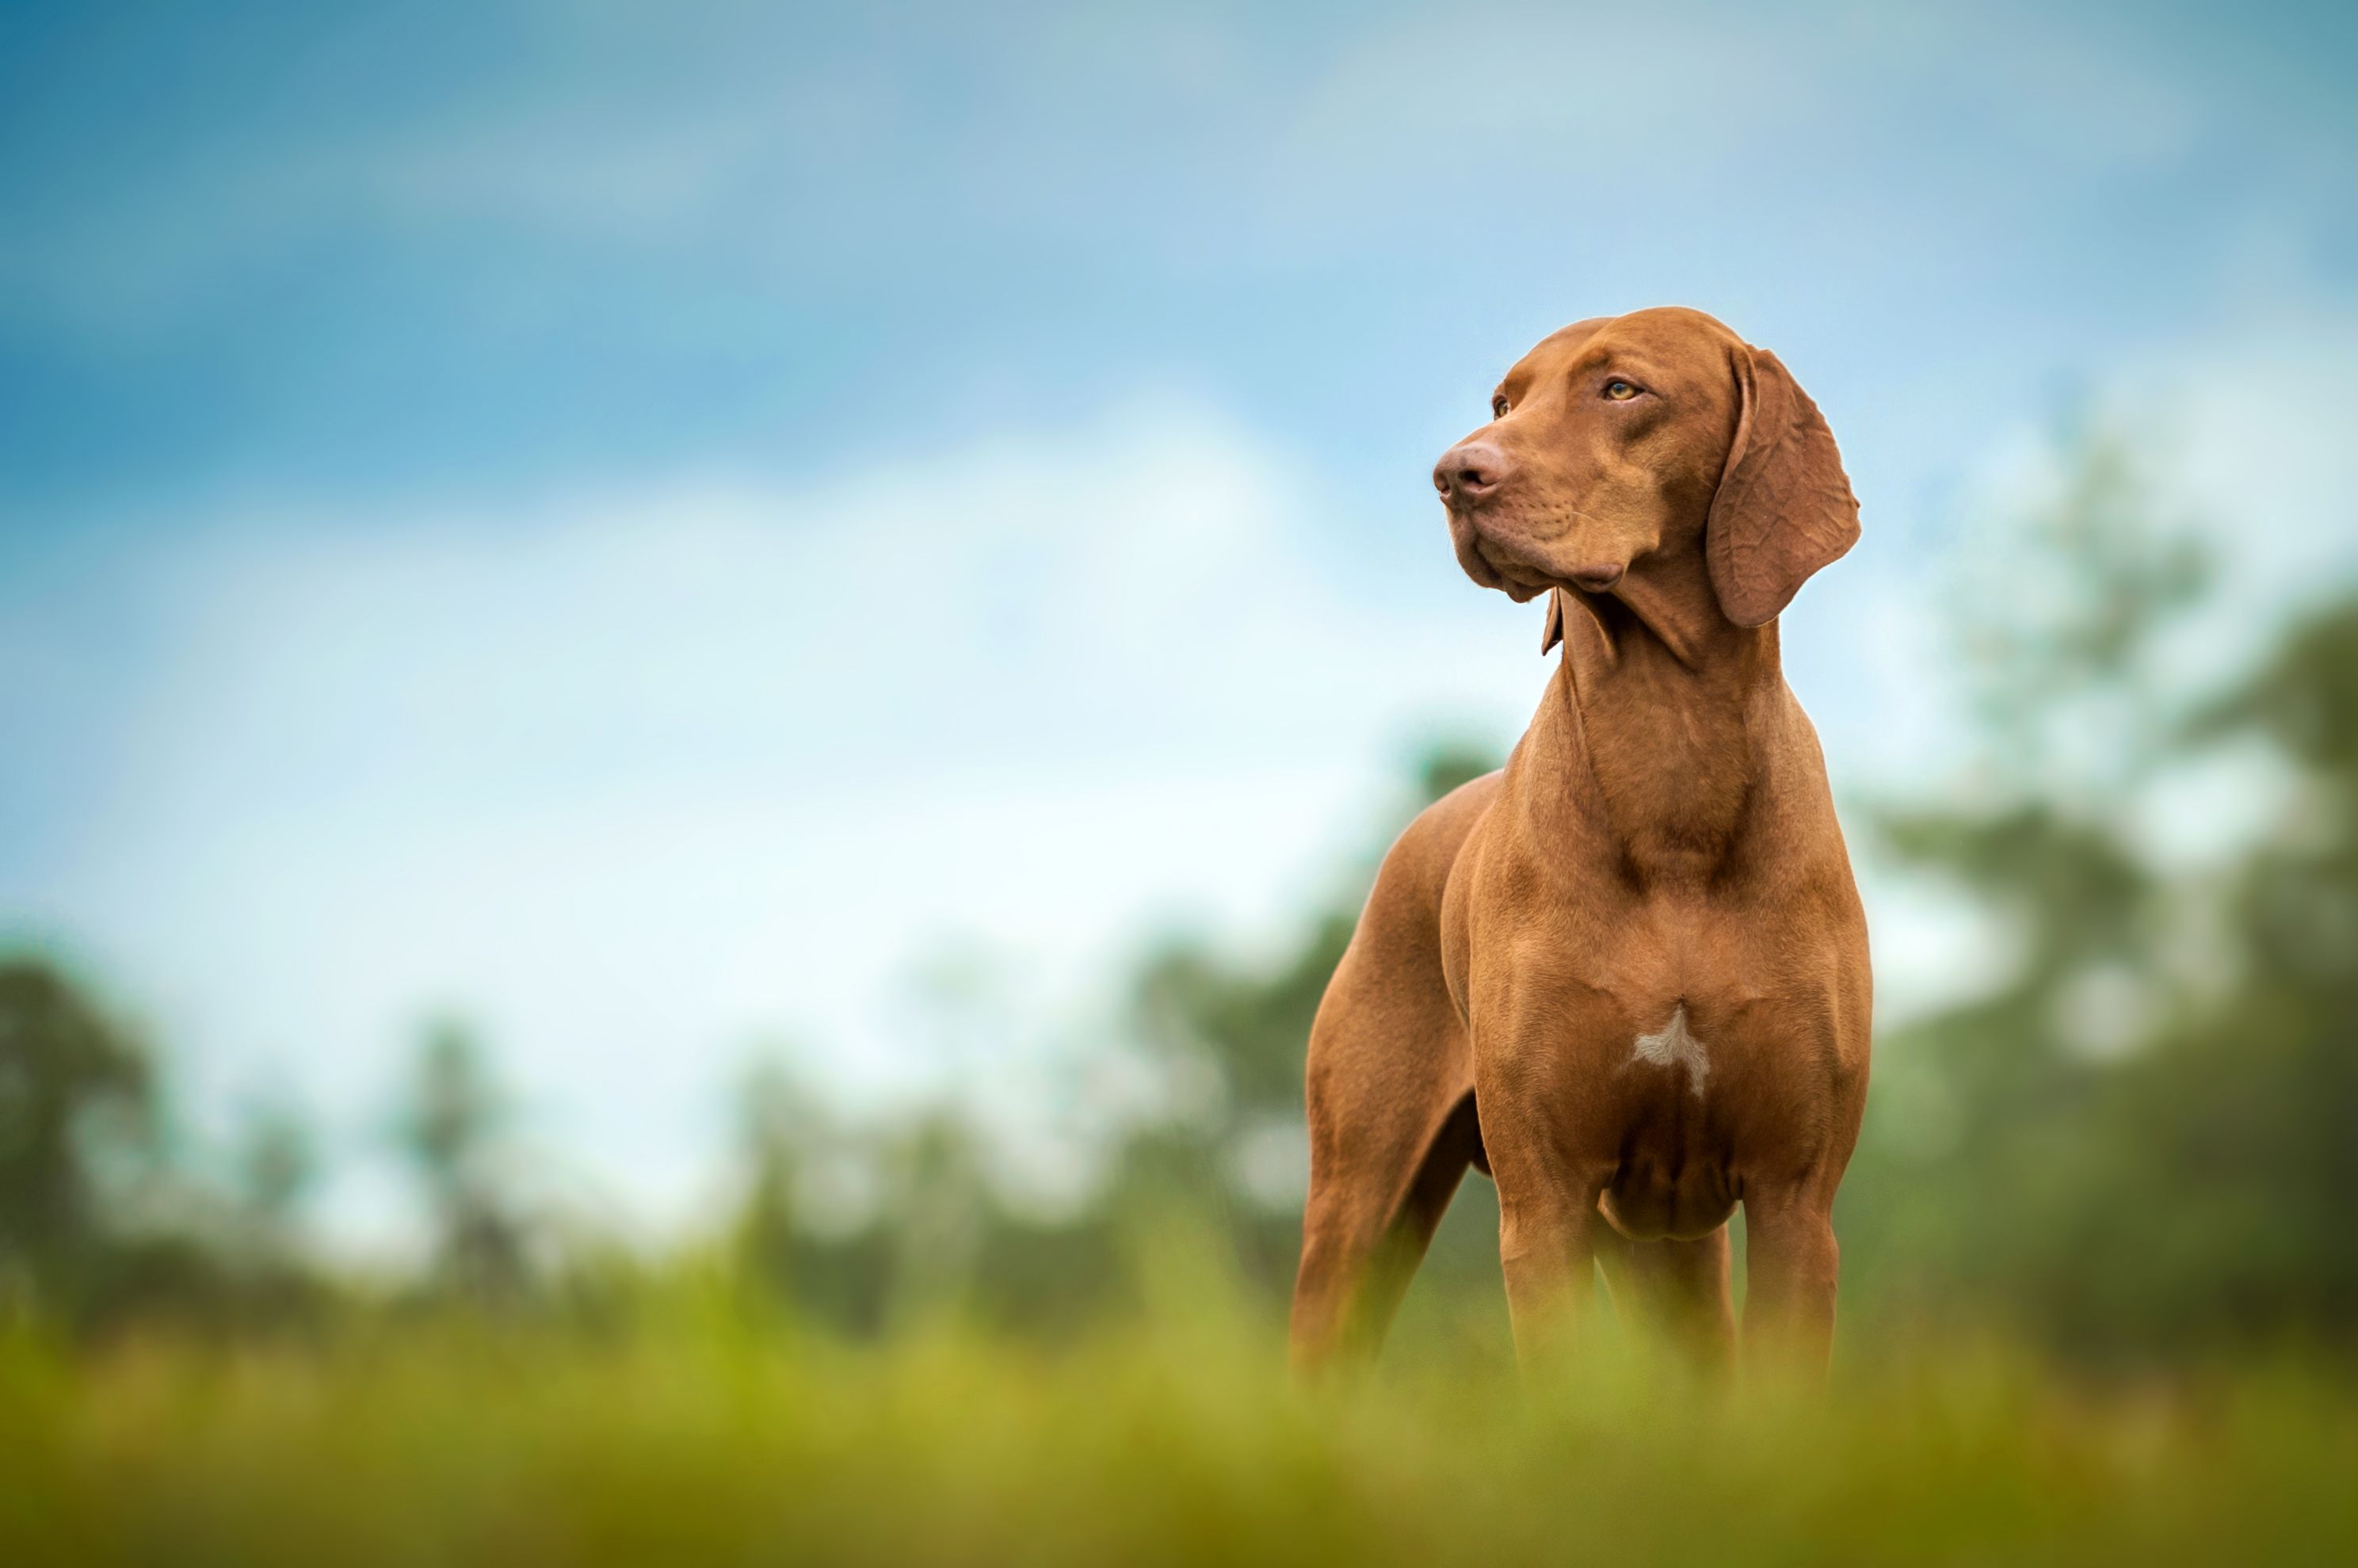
x=1619, y=391
x=1498, y=406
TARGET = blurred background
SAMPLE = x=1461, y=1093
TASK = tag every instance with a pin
x=790, y=632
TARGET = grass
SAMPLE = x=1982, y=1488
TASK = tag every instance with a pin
x=698, y=1434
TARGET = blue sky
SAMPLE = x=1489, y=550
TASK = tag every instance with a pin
x=654, y=524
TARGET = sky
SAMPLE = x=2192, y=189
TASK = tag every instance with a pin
x=667, y=530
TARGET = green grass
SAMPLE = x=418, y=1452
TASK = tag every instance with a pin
x=696, y=1434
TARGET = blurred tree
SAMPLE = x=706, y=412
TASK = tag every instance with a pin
x=775, y=1125
x=2230, y=1139
x=454, y=1129
x=938, y=1207
x=277, y=1160
x=2110, y=1144
x=77, y=1110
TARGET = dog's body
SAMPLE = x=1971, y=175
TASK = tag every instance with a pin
x=1626, y=974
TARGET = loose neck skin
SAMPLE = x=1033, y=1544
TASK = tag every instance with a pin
x=1670, y=710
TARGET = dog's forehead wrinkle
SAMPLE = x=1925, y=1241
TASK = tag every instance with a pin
x=1533, y=367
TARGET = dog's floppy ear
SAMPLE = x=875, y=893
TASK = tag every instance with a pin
x=1784, y=506
x=1553, y=632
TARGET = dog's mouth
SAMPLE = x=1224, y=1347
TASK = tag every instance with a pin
x=1512, y=569
x=1505, y=565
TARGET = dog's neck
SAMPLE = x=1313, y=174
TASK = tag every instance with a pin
x=1666, y=706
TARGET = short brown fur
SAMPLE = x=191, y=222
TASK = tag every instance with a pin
x=1661, y=851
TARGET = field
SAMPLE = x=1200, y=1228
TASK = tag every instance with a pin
x=701, y=1432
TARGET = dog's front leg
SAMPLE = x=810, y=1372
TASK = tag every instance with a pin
x=1546, y=1244
x=1547, y=1197
x=1790, y=1266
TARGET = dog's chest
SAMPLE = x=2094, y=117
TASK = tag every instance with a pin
x=1690, y=1000
x=1674, y=1047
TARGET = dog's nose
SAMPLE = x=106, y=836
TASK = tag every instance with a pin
x=1469, y=470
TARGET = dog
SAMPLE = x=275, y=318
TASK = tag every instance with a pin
x=1626, y=974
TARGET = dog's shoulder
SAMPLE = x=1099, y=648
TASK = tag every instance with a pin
x=1420, y=860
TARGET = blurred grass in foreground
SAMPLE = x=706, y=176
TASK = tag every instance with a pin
x=695, y=1428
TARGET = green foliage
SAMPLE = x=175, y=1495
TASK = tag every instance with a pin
x=2233, y=1125
x=2137, y=1141
x=76, y=1116
x=454, y=1129
x=276, y=1162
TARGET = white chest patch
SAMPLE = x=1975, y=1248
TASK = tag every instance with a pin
x=1675, y=1046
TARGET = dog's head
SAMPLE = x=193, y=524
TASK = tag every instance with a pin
x=1652, y=443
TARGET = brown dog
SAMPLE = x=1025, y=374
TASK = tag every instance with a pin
x=1626, y=974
